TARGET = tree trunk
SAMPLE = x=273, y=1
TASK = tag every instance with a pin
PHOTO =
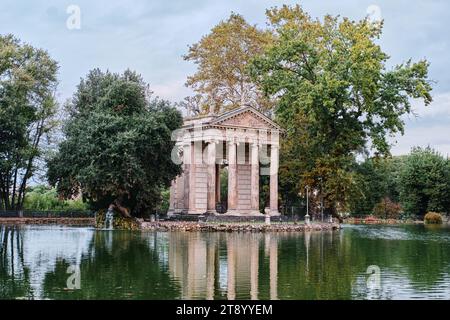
x=26, y=176
x=125, y=212
x=334, y=214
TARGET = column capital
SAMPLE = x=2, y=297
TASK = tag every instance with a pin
x=186, y=143
x=212, y=140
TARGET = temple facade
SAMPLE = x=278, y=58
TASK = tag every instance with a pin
x=245, y=144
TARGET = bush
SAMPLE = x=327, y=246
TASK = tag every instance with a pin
x=433, y=218
x=387, y=209
x=46, y=199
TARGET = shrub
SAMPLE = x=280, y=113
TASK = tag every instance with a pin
x=433, y=218
x=387, y=209
x=46, y=198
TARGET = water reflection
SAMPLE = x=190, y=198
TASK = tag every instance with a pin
x=414, y=262
x=28, y=256
x=255, y=266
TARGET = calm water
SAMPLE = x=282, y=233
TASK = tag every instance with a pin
x=413, y=261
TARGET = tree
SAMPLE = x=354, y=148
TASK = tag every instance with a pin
x=425, y=182
x=387, y=209
x=27, y=106
x=117, y=147
x=376, y=180
x=221, y=81
x=335, y=96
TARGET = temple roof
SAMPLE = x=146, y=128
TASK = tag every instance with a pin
x=243, y=117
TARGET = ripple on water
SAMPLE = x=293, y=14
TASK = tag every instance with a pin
x=401, y=232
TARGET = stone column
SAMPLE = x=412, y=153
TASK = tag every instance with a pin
x=232, y=177
x=191, y=191
x=254, y=177
x=211, y=178
x=274, y=180
x=218, y=183
x=187, y=162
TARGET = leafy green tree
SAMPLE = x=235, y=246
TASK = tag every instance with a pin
x=425, y=182
x=376, y=179
x=117, y=147
x=221, y=81
x=27, y=106
x=335, y=97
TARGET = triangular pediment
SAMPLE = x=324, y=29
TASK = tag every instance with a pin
x=246, y=117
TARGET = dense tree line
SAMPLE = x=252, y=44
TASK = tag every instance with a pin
x=27, y=108
x=45, y=198
x=116, y=139
x=409, y=185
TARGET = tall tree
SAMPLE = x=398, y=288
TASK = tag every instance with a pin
x=376, y=179
x=335, y=96
x=424, y=182
x=117, y=147
x=221, y=81
x=27, y=106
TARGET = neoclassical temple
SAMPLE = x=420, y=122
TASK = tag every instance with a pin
x=245, y=143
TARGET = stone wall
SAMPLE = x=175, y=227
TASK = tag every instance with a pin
x=201, y=187
x=243, y=186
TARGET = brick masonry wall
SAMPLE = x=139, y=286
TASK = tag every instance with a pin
x=244, y=186
x=201, y=187
x=179, y=191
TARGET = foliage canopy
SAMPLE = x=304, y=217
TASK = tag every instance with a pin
x=117, y=147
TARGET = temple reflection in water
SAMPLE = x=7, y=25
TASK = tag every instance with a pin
x=34, y=264
x=208, y=266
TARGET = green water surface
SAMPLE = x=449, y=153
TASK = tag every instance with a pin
x=357, y=262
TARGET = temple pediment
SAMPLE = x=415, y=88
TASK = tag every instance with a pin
x=247, y=117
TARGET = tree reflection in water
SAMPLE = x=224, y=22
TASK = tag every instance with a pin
x=414, y=263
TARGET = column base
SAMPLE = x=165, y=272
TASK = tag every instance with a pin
x=172, y=212
x=243, y=213
x=195, y=212
x=211, y=213
x=274, y=213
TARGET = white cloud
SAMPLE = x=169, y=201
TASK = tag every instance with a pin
x=436, y=136
x=173, y=91
x=439, y=108
x=430, y=127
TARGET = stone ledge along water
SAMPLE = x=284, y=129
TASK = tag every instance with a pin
x=236, y=227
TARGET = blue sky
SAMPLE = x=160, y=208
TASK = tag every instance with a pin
x=152, y=36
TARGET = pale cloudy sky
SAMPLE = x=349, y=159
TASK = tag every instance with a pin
x=150, y=36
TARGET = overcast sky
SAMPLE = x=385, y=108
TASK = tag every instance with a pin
x=150, y=36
